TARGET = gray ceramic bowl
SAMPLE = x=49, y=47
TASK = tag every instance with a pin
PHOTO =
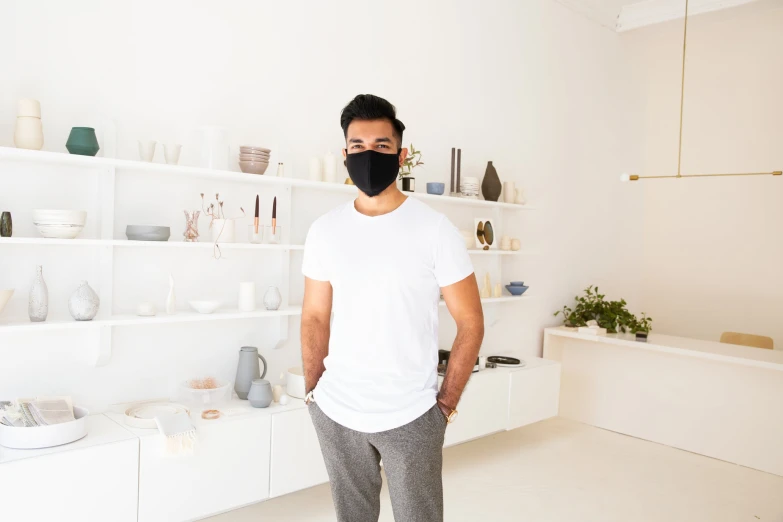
x=436, y=188
x=253, y=167
x=147, y=233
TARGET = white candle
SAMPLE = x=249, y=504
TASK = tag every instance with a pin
x=330, y=168
x=315, y=170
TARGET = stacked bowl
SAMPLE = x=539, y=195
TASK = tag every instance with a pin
x=253, y=160
x=59, y=224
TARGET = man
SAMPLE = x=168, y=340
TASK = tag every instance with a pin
x=380, y=263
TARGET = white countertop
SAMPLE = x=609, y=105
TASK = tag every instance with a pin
x=733, y=353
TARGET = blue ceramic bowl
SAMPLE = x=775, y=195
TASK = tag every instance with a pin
x=436, y=188
x=516, y=290
x=516, y=283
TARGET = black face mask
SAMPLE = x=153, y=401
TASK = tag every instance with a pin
x=372, y=172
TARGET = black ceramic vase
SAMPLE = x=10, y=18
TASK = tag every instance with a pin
x=491, y=186
x=6, y=225
x=408, y=184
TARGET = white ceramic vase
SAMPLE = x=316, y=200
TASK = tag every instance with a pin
x=171, y=300
x=84, y=303
x=330, y=168
x=38, y=303
x=316, y=173
x=509, y=192
x=272, y=298
x=223, y=230
x=247, y=296
x=521, y=199
x=28, y=133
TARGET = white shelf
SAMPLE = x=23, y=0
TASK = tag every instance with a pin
x=496, y=252
x=124, y=243
x=57, y=158
x=504, y=299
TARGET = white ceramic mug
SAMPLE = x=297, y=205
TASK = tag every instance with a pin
x=247, y=296
x=171, y=153
x=147, y=150
x=509, y=192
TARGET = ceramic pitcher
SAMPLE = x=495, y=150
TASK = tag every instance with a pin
x=247, y=370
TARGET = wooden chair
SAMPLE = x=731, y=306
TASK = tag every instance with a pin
x=756, y=341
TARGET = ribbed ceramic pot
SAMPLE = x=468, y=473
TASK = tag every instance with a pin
x=82, y=141
x=84, y=303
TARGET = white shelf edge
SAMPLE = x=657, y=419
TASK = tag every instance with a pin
x=59, y=158
x=125, y=243
x=504, y=299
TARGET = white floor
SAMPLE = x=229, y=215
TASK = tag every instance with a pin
x=559, y=470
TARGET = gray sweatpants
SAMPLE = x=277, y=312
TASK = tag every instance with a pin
x=412, y=457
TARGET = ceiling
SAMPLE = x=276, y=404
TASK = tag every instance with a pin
x=625, y=15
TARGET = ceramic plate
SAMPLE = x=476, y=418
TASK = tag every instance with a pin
x=143, y=415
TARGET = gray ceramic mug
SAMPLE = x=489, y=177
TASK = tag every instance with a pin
x=260, y=395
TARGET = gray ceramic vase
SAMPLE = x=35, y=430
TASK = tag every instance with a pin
x=491, y=185
x=38, y=303
x=260, y=394
x=84, y=303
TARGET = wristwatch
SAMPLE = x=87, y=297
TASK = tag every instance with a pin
x=309, y=398
x=452, y=416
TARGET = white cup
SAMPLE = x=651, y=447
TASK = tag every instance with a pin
x=247, y=296
x=509, y=192
x=316, y=172
x=171, y=153
x=147, y=150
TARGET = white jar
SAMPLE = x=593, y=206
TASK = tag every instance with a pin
x=28, y=133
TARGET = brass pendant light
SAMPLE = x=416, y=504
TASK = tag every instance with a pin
x=637, y=177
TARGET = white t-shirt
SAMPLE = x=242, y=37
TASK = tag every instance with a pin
x=386, y=273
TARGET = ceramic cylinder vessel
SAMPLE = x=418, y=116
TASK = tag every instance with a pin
x=82, y=141
x=509, y=192
x=490, y=185
x=214, y=150
x=223, y=230
x=247, y=296
x=38, y=302
x=260, y=394
x=316, y=173
x=330, y=168
x=6, y=225
x=84, y=303
x=28, y=133
x=272, y=298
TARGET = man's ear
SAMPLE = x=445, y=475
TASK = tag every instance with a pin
x=403, y=155
x=345, y=153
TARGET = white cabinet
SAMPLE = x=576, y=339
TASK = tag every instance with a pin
x=297, y=462
x=92, y=480
x=229, y=469
x=534, y=392
x=482, y=408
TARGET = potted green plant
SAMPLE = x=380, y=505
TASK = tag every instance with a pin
x=612, y=315
x=412, y=160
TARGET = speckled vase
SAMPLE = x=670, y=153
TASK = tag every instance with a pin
x=38, y=303
x=84, y=303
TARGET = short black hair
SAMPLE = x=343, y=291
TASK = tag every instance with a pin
x=369, y=107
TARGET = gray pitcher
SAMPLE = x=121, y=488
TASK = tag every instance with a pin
x=247, y=370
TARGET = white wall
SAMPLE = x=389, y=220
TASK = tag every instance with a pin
x=530, y=85
x=713, y=247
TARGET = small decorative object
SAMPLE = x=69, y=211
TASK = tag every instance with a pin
x=469, y=188
x=191, y=226
x=436, y=188
x=490, y=185
x=222, y=227
x=412, y=160
x=505, y=243
x=171, y=153
x=280, y=170
x=28, y=133
x=612, y=315
x=253, y=160
x=498, y=290
x=6, y=225
x=146, y=309
x=330, y=168
x=509, y=192
x=59, y=224
x=592, y=328
x=277, y=392
x=273, y=235
x=210, y=414
x=260, y=394
x=247, y=296
x=147, y=150
x=147, y=233
x=214, y=151
x=486, y=290
x=516, y=244
x=516, y=288
x=5, y=296
x=316, y=173
x=171, y=300
x=485, y=234
x=247, y=370
x=521, y=199
x=470, y=239
x=641, y=337
x=84, y=303
x=272, y=298
x=82, y=141
x=204, y=307
x=452, y=179
x=348, y=181
x=284, y=399
x=38, y=303
x=255, y=235
x=456, y=185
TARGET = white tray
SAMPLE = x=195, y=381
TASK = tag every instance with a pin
x=46, y=436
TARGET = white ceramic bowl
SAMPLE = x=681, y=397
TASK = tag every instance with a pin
x=295, y=382
x=46, y=436
x=198, y=398
x=5, y=296
x=204, y=307
x=60, y=231
x=59, y=217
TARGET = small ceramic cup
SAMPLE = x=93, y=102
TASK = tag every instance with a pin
x=147, y=150
x=436, y=188
x=171, y=153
